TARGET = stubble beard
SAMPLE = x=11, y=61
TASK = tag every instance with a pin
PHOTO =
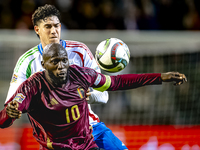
x=56, y=80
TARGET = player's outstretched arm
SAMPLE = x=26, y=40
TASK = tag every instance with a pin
x=175, y=77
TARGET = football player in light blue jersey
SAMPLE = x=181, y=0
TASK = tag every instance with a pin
x=46, y=22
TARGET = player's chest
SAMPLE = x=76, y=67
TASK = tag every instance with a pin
x=61, y=107
x=70, y=95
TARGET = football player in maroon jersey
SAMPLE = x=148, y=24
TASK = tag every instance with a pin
x=55, y=99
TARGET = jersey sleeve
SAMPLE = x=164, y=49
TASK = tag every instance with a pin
x=19, y=74
x=23, y=96
x=125, y=82
x=5, y=120
x=15, y=84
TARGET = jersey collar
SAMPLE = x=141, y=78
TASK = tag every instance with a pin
x=62, y=42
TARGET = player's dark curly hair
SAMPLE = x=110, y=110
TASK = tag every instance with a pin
x=43, y=12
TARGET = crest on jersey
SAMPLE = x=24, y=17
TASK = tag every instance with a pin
x=14, y=78
x=19, y=97
x=81, y=92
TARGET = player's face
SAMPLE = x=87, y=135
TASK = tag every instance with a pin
x=49, y=30
x=57, y=65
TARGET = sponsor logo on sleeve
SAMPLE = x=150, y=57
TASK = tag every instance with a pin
x=98, y=79
x=19, y=97
x=14, y=78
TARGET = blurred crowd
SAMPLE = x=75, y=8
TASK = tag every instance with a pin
x=107, y=14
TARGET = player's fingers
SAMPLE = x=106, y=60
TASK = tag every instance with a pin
x=178, y=83
x=176, y=78
x=14, y=115
x=19, y=114
x=88, y=90
x=184, y=78
x=13, y=105
x=88, y=94
x=180, y=76
x=10, y=108
x=16, y=104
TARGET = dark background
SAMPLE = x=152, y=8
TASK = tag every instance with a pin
x=107, y=14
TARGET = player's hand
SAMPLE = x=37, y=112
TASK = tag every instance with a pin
x=175, y=77
x=12, y=110
x=88, y=94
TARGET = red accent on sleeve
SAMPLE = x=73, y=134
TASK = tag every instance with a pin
x=81, y=56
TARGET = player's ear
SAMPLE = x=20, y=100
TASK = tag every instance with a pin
x=36, y=28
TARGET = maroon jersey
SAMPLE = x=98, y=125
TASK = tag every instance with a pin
x=59, y=116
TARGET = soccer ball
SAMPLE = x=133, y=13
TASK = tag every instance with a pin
x=112, y=55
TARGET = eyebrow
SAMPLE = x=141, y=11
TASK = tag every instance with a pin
x=48, y=24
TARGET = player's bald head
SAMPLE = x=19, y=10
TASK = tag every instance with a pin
x=56, y=64
x=52, y=50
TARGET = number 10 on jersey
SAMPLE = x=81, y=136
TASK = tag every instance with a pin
x=74, y=112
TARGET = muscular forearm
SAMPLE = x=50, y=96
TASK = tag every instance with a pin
x=5, y=120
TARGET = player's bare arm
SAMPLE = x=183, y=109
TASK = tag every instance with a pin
x=176, y=77
x=12, y=110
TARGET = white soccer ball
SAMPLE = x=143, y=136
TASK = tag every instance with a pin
x=112, y=55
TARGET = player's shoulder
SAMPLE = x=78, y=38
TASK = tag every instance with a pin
x=27, y=57
x=71, y=43
x=32, y=52
x=35, y=80
x=78, y=47
x=37, y=76
x=81, y=70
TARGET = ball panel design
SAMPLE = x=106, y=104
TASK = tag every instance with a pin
x=112, y=55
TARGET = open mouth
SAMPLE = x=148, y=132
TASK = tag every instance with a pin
x=62, y=74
